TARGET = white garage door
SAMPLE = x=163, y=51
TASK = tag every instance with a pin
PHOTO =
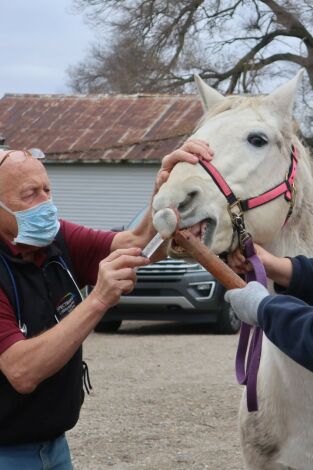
x=101, y=196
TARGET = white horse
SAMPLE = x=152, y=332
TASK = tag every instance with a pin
x=252, y=138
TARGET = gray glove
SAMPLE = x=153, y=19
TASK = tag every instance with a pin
x=246, y=301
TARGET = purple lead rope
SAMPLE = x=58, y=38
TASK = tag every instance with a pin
x=248, y=356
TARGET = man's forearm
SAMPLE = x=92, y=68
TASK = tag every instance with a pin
x=27, y=363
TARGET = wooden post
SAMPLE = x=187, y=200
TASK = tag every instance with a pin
x=211, y=262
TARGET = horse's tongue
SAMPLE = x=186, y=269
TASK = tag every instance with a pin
x=196, y=229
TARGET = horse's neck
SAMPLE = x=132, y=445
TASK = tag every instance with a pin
x=296, y=237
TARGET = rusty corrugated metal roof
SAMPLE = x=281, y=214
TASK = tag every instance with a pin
x=96, y=128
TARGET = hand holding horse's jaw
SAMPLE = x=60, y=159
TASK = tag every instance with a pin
x=189, y=152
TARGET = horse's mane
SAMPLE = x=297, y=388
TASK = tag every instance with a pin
x=231, y=102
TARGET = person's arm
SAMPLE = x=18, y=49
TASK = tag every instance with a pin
x=285, y=320
x=144, y=232
x=300, y=284
x=291, y=276
x=28, y=362
x=86, y=247
x=9, y=329
x=277, y=268
x=288, y=323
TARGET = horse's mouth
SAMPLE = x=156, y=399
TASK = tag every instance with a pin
x=202, y=230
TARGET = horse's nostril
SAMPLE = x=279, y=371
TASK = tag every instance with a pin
x=186, y=202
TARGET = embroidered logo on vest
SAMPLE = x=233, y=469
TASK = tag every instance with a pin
x=66, y=304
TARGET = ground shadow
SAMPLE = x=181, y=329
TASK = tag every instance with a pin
x=135, y=328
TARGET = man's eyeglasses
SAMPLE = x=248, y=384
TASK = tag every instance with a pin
x=20, y=155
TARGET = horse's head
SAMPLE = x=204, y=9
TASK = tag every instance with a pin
x=251, y=138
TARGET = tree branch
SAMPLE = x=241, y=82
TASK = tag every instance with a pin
x=297, y=59
x=226, y=12
x=182, y=33
x=169, y=28
x=287, y=19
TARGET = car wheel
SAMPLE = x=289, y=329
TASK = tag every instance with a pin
x=108, y=326
x=228, y=323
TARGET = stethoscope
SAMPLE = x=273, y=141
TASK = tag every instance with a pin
x=63, y=264
x=22, y=326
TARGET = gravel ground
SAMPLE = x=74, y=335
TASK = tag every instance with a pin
x=164, y=398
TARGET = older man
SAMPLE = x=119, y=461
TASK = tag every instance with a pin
x=43, y=320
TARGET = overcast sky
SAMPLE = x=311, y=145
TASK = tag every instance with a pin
x=39, y=39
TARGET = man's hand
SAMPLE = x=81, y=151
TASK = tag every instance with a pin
x=189, y=152
x=245, y=302
x=117, y=275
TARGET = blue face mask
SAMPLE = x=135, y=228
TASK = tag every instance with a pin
x=37, y=226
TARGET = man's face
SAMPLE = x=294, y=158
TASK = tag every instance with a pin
x=24, y=183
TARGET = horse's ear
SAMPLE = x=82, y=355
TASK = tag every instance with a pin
x=283, y=98
x=209, y=96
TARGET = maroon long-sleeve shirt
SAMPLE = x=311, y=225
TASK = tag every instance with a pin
x=87, y=247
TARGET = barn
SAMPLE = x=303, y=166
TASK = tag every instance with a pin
x=102, y=151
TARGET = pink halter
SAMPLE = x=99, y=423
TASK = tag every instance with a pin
x=286, y=188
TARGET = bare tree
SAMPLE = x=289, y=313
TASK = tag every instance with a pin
x=233, y=44
x=116, y=68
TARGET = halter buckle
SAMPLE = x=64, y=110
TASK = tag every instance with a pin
x=235, y=205
x=236, y=214
x=243, y=238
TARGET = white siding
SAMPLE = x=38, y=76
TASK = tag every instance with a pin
x=101, y=196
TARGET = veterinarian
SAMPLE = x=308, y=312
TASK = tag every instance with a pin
x=286, y=318
x=44, y=262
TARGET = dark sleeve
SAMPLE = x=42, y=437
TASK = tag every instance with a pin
x=301, y=281
x=87, y=247
x=288, y=323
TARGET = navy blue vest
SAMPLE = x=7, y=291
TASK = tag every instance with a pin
x=46, y=294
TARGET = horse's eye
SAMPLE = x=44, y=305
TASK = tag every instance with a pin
x=258, y=140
